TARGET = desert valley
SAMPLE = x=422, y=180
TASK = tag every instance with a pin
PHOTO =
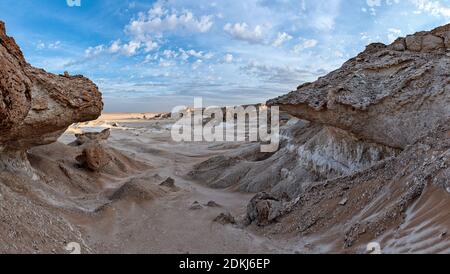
x=364, y=157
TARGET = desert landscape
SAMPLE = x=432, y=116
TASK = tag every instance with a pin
x=364, y=157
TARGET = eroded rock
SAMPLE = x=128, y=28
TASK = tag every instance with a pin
x=225, y=218
x=86, y=137
x=265, y=208
x=36, y=107
x=94, y=157
x=387, y=95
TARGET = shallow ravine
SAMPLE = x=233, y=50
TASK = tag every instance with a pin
x=166, y=224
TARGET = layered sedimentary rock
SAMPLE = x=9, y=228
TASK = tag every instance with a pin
x=401, y=202
x=36, y=107
x=396, y=96
x=308, y=153
x=389, y=94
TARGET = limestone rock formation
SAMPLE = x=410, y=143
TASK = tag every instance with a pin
x=396, y=96
x=36, y=107
x=389, y=94
x=86, y=137
x=95, y=154
x=308, y=153
x=94, y=157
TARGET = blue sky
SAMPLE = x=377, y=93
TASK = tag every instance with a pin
x=154, y=55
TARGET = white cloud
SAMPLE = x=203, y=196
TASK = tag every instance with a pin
x=197, y=64
x=159, y=20
x=147, y=26
x=170, y=53
x=228, y=58
x=115, y=47
x=323, y=14
x=131, y=48
x=94, y=51
x=185, y=54
x=53, y=45
x=241, y=31
x=194, y=53
x=280, y=74
x=305, y=44
x=373, y=3
x=282, y=37
x=432, y=7
x=393, y=34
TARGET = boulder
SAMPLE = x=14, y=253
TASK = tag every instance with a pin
x=86, y=137
x=36, y=107
x=446, y=37
x=225, y=218
x=432, y=43
x=265, y=208
x=169, y=182
x=414, y=42
x=399, y=44
x=94, y=157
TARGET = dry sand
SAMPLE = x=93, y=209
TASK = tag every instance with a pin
x=166, y=224
x=123, y=208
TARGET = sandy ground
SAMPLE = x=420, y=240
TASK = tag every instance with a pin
x=164, y=222
x=167, y=224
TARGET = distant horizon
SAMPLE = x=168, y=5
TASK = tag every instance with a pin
x=148, y=55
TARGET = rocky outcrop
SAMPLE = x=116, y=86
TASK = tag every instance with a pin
x=388, y=94
x=308, y=153
x=400, y=199
x=390, y=99
x=85, y=137
x=265, y=208
x=95, y=153
x=36, y=107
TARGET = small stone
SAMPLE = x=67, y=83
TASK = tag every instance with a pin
x=169, y=182
x=284, y=173
x=212, y=204
x=95, y=157
x=343, y=202
x=225, y=218
x=196, y=206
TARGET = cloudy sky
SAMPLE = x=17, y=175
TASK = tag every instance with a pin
x=153, y=55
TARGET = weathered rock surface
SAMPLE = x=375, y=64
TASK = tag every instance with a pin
x=225, y=218
x=36, y=107
x=308, y=153
x=264, y=208
x=86, y=137
x=390, y=95
x=95, y=153
x=396, y=96
x=94, y=156
x=400, y=201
